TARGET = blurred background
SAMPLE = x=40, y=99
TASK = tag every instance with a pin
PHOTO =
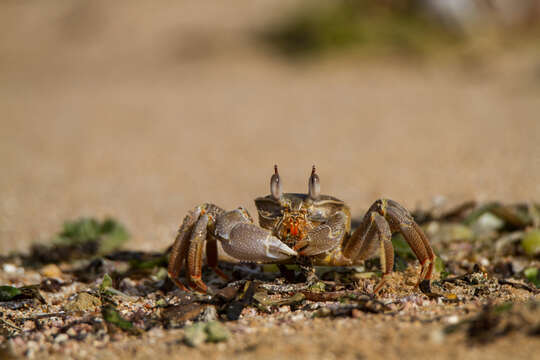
x=143, y=110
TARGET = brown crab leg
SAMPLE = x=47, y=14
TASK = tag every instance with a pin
x=364, y=246
x=189, y=243
x=386, y=248
x=363, y=242
x=212, y=257
x=416, y=239
x=195, y=254
x=414, y=236
x=396, y=218
x=180, y=247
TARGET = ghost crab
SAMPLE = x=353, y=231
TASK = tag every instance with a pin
x=294, y=228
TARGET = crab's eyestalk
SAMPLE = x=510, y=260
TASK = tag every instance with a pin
x=275, y=184
x=314, y=188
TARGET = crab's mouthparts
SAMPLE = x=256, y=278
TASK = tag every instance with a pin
x=294, y=229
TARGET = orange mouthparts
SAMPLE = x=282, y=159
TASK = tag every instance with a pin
x=293, y=228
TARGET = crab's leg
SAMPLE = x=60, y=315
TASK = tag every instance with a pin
x=396, y=218
x=212, y=256
x=214, y=212
x=239, y=237
x=195, y=254
x=400, y=218
x=416, y=239
x=378, y=234
x=180, y=247
x=188, y=247
x=324, y=237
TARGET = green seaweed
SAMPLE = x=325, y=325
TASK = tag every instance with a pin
x=216, y=332
x=440, y=267
x=200, y=332
x=8, y=293
x=370, y=26
x=106, y=287
x=194, y=335
x=502, y=308
x=112, y=316
x=533, y=275
x=106, y=283
x=402, y=248
x=108, y=235
x=148, y=264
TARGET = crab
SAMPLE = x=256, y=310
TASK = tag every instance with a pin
x=312, y=228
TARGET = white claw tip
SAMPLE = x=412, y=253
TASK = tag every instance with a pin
x=276, y=250
x=284, y=249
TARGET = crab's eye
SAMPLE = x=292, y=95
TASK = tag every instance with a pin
x=314, y=188
x=275, y=184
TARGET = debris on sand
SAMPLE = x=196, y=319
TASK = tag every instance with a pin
x=485, y=287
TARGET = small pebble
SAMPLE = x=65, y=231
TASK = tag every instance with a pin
x=83, y=302
x=437, y=336
x=51, y=271
x=484, y=262
x=10, y=268
x=61, y=338
x=209, y=314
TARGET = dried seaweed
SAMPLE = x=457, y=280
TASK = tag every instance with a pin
x=178, y=315
x=242, y=299
x=10, y=293
x=79, y=239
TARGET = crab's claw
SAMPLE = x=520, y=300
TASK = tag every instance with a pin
x=245, y=241
x=324, y=237
x=250, y=243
